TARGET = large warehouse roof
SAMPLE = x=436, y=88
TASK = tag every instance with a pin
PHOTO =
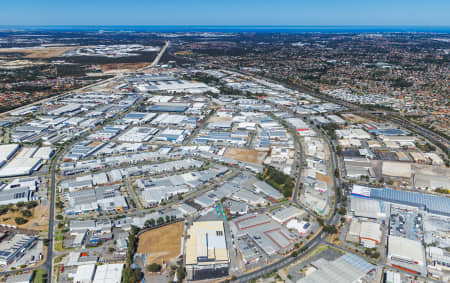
x=347, y=268
x=406, y=249
x=108, y=273
x=168, y=107
x=7, y=151
x=206, y=244
x=434, y=204
x=431, y=203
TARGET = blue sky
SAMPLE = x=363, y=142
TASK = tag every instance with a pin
x=225, y=12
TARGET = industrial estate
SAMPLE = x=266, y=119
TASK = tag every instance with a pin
x=182, y=167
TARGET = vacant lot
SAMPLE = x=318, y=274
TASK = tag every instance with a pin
x=162, y=244
x=324, y=178
x=48, y=52
x=39, y=220
x=122, y=66
x=246, y=155
x=354, y=118
x=220, y=119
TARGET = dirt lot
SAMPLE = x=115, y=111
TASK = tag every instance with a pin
x=48, y=52
x=162, y=244
x=353, y=118
x=246, y=155
x=39, y=220
x=219, y=119
x=324, y=178
x=95, y=143
x=17, y=64
x=123, y=66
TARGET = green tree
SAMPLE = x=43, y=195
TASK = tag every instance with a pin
x=130, y=275
x=149, y=223
x=181, y=273
x=26, y=213
x=154, y=267
x=20, y=220
x=31, y=204
x=20, y=204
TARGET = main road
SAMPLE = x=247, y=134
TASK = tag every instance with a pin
x=51, y=221
x=158, y=57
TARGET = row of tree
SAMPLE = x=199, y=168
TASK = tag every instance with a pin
x=130, y=274
x=160, y=221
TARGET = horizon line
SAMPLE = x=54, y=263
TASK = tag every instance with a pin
x=226, y=25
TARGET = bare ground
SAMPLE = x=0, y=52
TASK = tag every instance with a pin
x=246, y=155
x=162, y=244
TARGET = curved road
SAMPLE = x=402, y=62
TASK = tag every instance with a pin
x=319, y=237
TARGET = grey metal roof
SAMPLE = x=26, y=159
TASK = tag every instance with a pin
x=347, y=268
x=434, y=204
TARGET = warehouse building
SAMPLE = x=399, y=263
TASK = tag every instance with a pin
x=84, y=274
x=220, y=125
x=108, y=273
x=20, y=167
x=107, y=198
x=155, y=195
x=347, y=268
x=302, y=227
x=248, y=197
x=175, y=120
x=236, y=207
x=303, y=128
x=353, y=134
x=68, y=109
x=267, y=234
x=44, y=153
x=406, y=254
x=286, y=213
x=13, y=247
x=366, y=233
x=168, y=107
x=368, y=208
x=221, y=138
x=107, y=133
x=138, y=134
x=148, y=84
x=172, y=135
x=336, y=119
x=268, y=190
x=320, y=120
x=84, y=149
x=15, y=195
x=248, y=254
x=186, y=209
x=439, y=262
x=138, y=118
x=206, y=253
x=157, y=190
x=431, y=203
x=7, y=151
x=20, y=278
